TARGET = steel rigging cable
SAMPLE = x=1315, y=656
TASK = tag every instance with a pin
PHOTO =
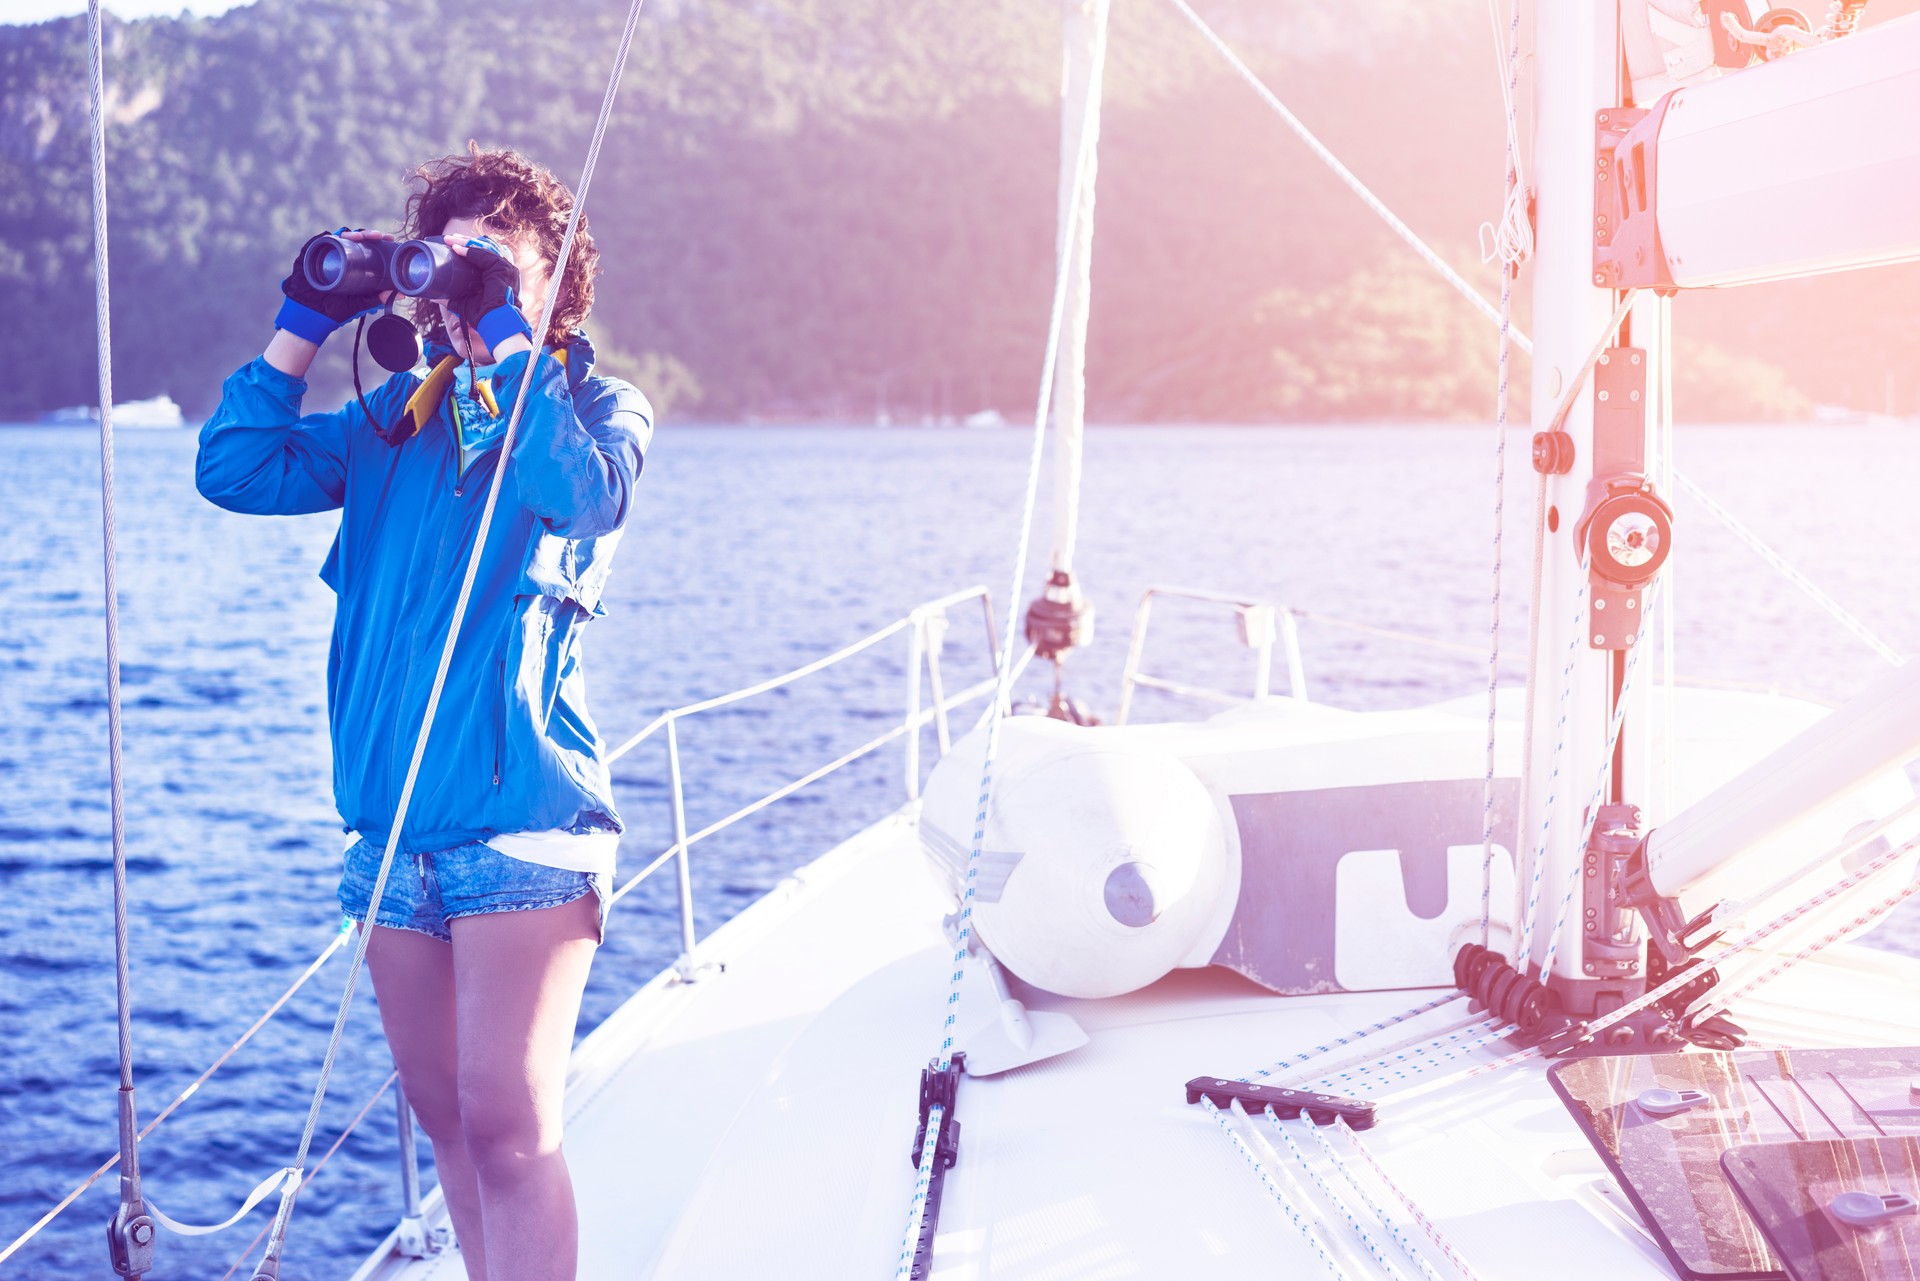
x=130, y=1235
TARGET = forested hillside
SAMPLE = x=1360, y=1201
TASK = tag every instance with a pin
x=824, y=208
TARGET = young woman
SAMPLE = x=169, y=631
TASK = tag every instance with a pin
x=497, y=895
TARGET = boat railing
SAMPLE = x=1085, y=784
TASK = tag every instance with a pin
x=927, y=703
x=1260, y=623
x=926, y=627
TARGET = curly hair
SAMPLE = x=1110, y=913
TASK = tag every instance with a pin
x=522, y=202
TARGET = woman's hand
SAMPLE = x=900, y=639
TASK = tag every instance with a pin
x=492, y=310
x=309, y=315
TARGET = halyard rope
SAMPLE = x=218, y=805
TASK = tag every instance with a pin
x=269, y=1267
x=1427, y=1225
x=1333, y=1198
x=1510, y=241
x=1599, y=793
x=1699, y=966
x=1285, y=1065
x=1340, y=1077
x=1721, y=1001
x=103, y=344
x=1510, y=265
x=1347, y=1176
x=916, y=1209
x=1280, y=1198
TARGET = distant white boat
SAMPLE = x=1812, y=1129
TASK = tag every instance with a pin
x=1845, y=416
x=156, y=411
x=984, y=419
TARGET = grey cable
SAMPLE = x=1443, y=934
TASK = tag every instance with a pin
x=270, y=1261
x=130, y=1203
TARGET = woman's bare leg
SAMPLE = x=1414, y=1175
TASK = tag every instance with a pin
x=518, y=978
x=413, y=980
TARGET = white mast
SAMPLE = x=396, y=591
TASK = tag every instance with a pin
x=1579, y=41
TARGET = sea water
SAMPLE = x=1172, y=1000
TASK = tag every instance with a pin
x=749, y=552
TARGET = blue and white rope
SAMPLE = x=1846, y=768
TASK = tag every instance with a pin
x=1317, y=1051
x=1525, y=948
x=916, y=1211
x=1599, y=791
x=1340, y=1167
x=1499, y=495
x=1378, y=1053
x=1280, y=1198
x=1409, y=1064
x=1337, y=1201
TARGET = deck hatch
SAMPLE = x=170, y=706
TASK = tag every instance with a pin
x=1667, y=1158
x=1834, y=1209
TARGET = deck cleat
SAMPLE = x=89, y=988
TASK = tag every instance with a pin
x=1321, y=1109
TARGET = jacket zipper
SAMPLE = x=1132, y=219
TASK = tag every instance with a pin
x=413, y=636
x=500, y=726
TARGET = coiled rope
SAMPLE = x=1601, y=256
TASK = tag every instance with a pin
x=269, y=1269
x=916, y=1210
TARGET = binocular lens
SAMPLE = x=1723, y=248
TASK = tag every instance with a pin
x=418, y=268
x=428, y=269
x=328, y=266
x=334, y=264
x=412, y=270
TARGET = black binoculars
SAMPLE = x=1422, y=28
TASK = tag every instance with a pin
x=424, y=268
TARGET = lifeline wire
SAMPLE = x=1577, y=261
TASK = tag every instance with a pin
x=339, y=940
x=269, y=1265
x=917, y=1209
x=130, y=1204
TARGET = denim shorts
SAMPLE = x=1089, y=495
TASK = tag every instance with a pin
x=427, y=891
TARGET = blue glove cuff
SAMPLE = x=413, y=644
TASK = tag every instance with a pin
x=501, y=324
x=303, y=321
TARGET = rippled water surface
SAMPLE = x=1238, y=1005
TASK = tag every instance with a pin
x=752, y=551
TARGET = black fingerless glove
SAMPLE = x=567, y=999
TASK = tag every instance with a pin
x=311, y=314
x=492, y=308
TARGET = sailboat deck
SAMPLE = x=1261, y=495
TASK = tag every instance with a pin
x=757, y=1122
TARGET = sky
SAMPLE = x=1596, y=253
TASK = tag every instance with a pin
x=26, y=11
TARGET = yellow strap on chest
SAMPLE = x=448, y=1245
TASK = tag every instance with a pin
x=432, y=392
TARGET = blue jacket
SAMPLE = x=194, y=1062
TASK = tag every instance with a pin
x=512, y=747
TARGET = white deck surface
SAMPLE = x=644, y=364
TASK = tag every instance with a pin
x=757, y=1123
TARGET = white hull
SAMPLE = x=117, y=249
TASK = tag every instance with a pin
x=757, y=1123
